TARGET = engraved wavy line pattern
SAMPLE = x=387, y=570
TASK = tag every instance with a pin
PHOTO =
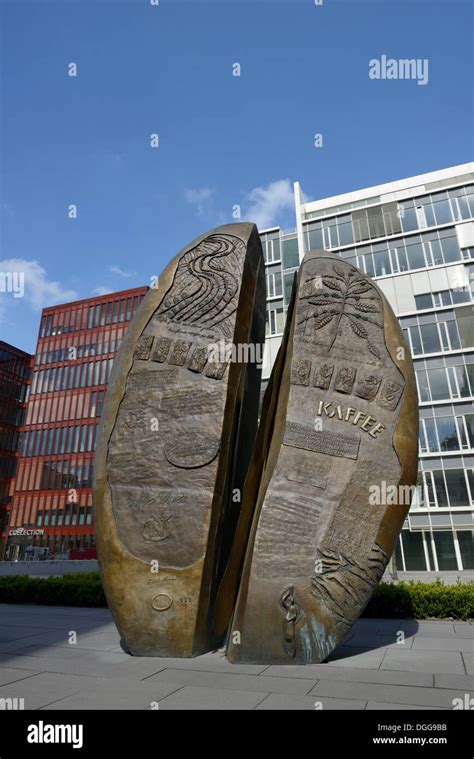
x=206, y=282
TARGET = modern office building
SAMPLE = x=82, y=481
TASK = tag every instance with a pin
x=15, y=373
x=52, y=502
x=415, y=237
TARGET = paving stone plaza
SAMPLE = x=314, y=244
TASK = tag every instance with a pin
x=433, y=666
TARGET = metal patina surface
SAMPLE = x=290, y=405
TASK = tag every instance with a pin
x=340, y=418
x=177, y=435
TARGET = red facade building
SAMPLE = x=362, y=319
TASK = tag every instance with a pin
x=51, y=513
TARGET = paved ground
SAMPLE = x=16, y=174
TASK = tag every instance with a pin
x=433, y=666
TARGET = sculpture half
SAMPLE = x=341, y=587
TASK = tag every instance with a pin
x=339, y=431
x=177, y=434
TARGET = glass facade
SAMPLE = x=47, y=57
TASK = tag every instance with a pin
x=15, y=372
x=52, y=500
x=282, y=261
x=420, y=250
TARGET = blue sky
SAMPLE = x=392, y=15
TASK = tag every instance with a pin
x=224, y=140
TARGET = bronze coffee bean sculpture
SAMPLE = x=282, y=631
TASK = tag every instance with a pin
x=200, y=519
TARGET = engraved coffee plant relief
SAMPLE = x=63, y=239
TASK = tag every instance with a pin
x=348, y=298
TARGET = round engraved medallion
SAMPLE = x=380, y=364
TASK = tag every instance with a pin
x=161, y=602
x=191, y=450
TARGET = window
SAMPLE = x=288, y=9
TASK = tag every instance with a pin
x=446, y=554
x=423, y=301
x=413, y=551
x=314, y=236
x=461, y=424
x=457, y=489
x=408, y=217
x=288, y=286
x=85, y=475
x=375, y=219
x=90, y=373
x=415, y=256
x=274, y=285
x=421, y=217
x=83, y=375
x=122, y=311
x=439, y=384
x=453, y=334
x=330, y=238
x=360, y=225
x=382, y=263
x=345, y=230
x=442, y=208
x=391, y=217
x=115, y=312
x=276, y=322
x=290, y=255
x=431, y=437
x=458, y=379
x=451, y=251
x=75, y=444
x=274, y=250
x=428, y=209
x=430, y=338
x=271, y=324
x=367, y=262
x=103, y=310
x=103, y=371
x=466, y=548
x=415, y=340
x=447, y=433
x=397, y=263
x=470, y=429
x=83, y=439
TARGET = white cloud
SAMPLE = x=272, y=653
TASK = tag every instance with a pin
x=121, y=272
x=101, y=290
x=200, y=198
x=39, y=291
x=306, y=198
x=263, y=205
